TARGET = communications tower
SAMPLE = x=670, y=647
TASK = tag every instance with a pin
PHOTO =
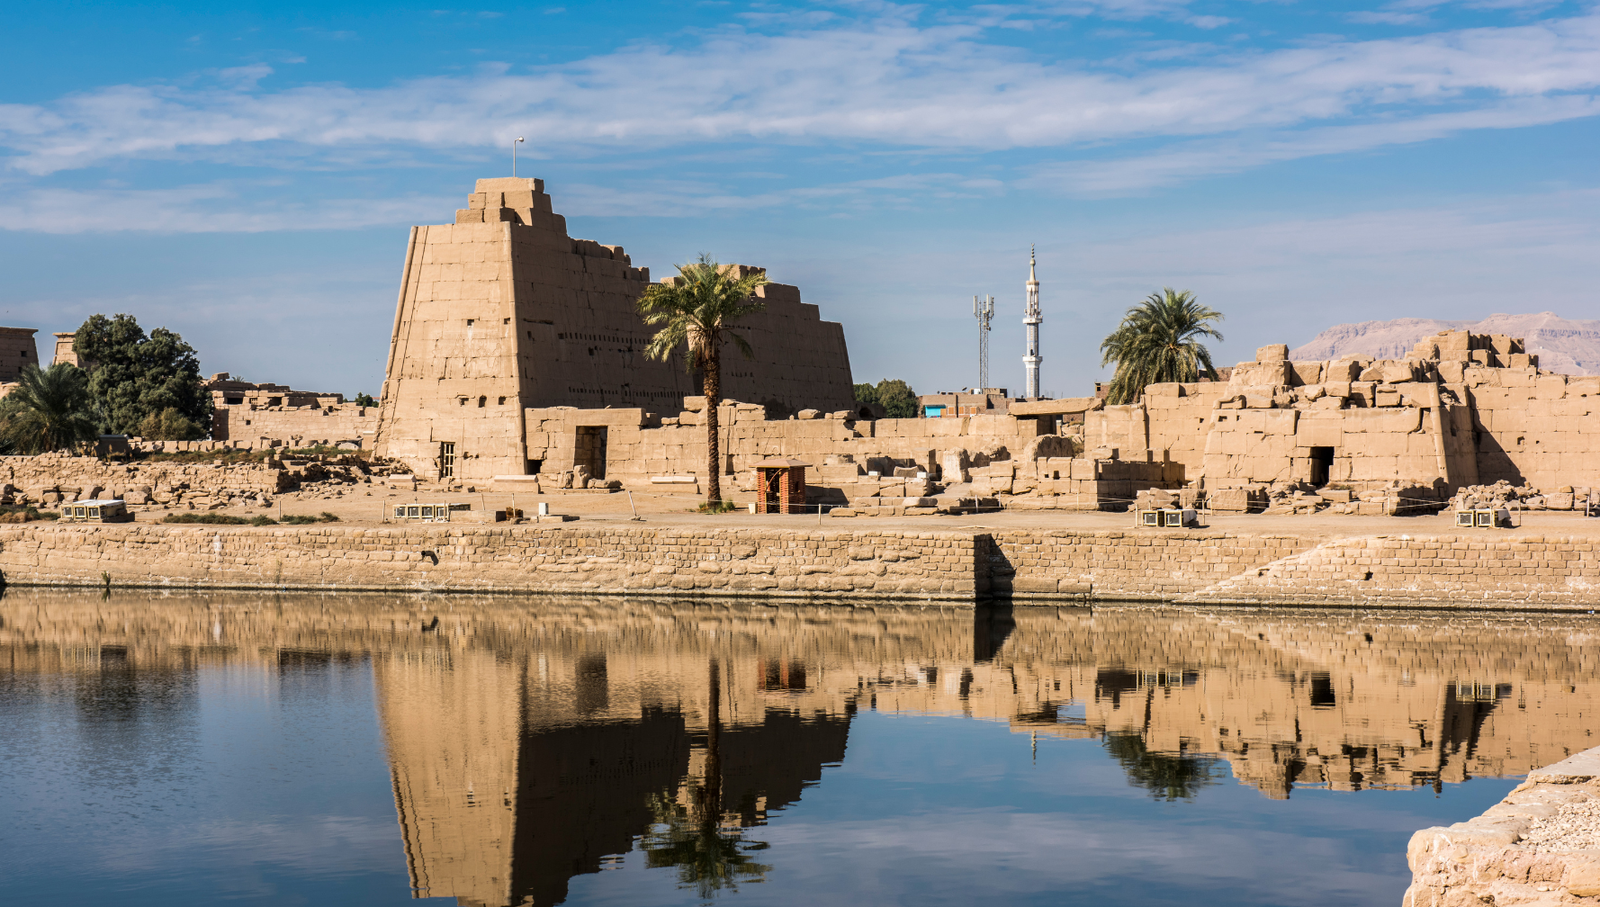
x=1032, y=319
x=983, y=310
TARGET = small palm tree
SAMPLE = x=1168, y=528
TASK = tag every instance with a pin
x=48, y=410
x=1159, y=341
x=697, y=308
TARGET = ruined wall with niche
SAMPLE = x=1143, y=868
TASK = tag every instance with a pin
x=1462, y=410
x=640, y=445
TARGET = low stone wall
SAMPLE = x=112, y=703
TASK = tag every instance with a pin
x=955, y=565
x=1539, y=847
x=1139, y=564
x=1543, y=571
x=931, y=566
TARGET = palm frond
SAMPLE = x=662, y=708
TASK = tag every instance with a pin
x=1159, y=341
x=50, y=409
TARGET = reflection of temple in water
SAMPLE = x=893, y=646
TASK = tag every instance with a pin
x=531, y=743
x=512, y=775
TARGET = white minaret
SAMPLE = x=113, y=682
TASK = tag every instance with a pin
x=1032, y=320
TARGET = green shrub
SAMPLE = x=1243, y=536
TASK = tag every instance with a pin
x=303, y=519
x=18, y=513
x=721, y=507
x=210, y=519
x=263, y=521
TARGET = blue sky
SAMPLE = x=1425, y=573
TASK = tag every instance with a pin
x=245, y=173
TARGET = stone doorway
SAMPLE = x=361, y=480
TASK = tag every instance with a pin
x=1321, y=464
x=591, y=450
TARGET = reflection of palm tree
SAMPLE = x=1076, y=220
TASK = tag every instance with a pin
x=708, y=856
x=1164, y=775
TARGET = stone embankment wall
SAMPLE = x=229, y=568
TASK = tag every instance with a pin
x=956, y=566
x=925, y=565
x=1463, y=570
x=1539, y=847
x=1133, y=565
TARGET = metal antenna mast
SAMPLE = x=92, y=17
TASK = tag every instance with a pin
x=983, y=310
x=1032, y=320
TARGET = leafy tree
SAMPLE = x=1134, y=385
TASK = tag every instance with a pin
x=1159, y=341
x=133, y=376
x=1165, y=776
x=896, y=397
x=168, y=425
x=697, y=308
x=365, y=400
x=50, y=409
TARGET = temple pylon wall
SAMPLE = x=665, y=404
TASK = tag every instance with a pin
x=502, y=310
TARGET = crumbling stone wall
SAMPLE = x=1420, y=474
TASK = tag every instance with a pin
x=52, y=478
x=330, y=425
x=842, y=450
x=1464, y=409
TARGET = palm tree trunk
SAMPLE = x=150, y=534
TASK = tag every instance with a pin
x=712, y=385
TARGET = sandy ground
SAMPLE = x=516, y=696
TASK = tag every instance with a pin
x=368, y=504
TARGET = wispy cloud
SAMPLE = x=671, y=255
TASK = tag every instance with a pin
x=887, y=82
x=210, y=208
x=1185, y=161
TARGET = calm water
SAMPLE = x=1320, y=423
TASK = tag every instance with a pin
x=372, y=750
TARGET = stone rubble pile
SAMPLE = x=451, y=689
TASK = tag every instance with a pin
x=1521, y=497
x=50, y=480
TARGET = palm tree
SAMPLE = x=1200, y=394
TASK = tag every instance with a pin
x=49, y=409
x=697, y=308
x=1159, y=341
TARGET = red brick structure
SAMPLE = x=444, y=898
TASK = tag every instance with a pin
x=781, y=485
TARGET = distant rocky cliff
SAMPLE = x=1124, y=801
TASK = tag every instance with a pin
x=1565, y=346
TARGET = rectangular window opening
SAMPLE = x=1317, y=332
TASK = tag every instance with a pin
x=447, y=459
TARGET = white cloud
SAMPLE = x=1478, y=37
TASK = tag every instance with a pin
x=885, y=82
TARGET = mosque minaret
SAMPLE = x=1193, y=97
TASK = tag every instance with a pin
x=1032, y=320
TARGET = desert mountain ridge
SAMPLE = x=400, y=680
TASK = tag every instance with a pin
x=1562, y=345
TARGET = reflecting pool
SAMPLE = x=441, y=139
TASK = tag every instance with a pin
x=495, y=751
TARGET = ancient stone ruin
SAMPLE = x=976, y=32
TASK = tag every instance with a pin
x=1356, y=435
x=502, y=311
x=250, y=416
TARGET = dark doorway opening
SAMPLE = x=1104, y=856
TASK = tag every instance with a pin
x=591, y=450
x=1321, y=463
